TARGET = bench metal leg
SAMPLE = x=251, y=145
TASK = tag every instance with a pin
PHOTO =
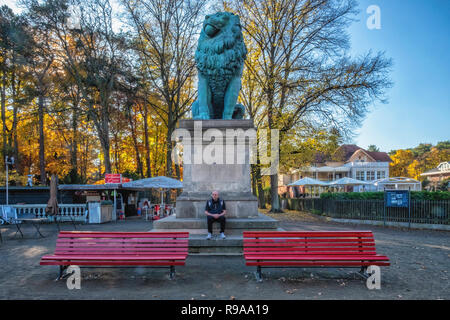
x=61, y=272
x=363, y=272
x=172, y=273
x=258, y=274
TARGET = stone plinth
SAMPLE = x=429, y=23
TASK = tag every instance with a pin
x=216, y=156
x=224, y=146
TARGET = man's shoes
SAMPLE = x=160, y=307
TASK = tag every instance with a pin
x=208, y=237
x=222, y=236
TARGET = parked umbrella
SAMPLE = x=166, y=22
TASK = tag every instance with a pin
x=346, y=181
x=308, y=182
x=154, y=183
x=52, y=204
x=162, y=183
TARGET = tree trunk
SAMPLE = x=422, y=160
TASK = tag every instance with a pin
x=74, y=178
x=104, y=139
x=105, y=143
x=275, y=203
x=147, y=144
x=261, y=197
x=274, y=194
x=169, y=170
x=41, y=140
x=135, y=144
x=253, y=173
x=3, y=106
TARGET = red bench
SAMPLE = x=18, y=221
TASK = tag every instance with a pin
x=85, y=248
x=311, y=249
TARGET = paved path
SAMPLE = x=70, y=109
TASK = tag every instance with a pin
x=420, y=270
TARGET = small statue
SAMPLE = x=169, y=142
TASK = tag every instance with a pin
x=220, y=57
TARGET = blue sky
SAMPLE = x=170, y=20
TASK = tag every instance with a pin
x=416, y=35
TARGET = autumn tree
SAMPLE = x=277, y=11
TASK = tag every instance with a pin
x=373, y=148
x=165, y=33
x=15, y=81
x=400, y=162
x=303, y=67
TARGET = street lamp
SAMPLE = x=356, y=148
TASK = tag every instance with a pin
x=7, y=162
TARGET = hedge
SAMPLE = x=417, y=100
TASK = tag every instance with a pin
x=415, y=195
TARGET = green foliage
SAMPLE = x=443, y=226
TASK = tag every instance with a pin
x=353, y=195
x=415, y=195
x=443, y=145
x=433, y=195
x=373, y=148
x=131, y=175
x=421, y=149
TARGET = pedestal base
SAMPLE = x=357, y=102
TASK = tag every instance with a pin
x=238, y=205
x=197, y=228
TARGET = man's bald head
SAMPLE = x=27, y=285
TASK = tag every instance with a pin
x=215, y=194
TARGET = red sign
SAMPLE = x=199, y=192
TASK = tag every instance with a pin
x=113, y=178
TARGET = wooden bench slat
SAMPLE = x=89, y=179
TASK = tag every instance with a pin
x=114, y=252
x=86, y=234
x=273, y=234
x=316, y=264
x=88, y=248
x=272, y=256
x=311, y=248
x=114, y=263
x=116, y=240
x=118, y=252
x=108, y=245
x=115, y=257
x=308, y=240
x=324, y=251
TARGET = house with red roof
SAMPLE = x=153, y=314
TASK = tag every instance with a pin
x=349, y=160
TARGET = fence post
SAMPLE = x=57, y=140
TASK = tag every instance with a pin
x=384, y=207
x=409, y=207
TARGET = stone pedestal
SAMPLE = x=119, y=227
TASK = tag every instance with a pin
x=216, y=156
x=224, y=166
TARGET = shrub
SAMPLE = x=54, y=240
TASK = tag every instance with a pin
x=415, y=195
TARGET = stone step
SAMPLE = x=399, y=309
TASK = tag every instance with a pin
x=197, y=229
x=261, y=222
x=199, y=245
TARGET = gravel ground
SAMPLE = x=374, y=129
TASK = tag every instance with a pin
x=419, y=269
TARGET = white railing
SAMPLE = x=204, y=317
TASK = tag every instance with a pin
x=67, y=212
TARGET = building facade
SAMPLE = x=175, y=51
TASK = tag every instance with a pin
x=437, y=175
x=348, y=161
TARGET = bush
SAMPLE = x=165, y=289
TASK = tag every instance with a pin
x=353, y=196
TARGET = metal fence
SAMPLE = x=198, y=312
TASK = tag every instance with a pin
x=421, y=211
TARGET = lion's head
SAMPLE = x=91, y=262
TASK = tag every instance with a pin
x=221, y=50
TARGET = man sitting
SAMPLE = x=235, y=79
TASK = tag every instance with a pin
x=215, y=211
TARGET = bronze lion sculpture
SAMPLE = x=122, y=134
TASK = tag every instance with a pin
x=220, y=57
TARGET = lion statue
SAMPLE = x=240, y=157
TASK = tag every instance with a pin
x=220, y=57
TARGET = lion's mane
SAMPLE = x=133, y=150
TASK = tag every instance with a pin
x=223, y=55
